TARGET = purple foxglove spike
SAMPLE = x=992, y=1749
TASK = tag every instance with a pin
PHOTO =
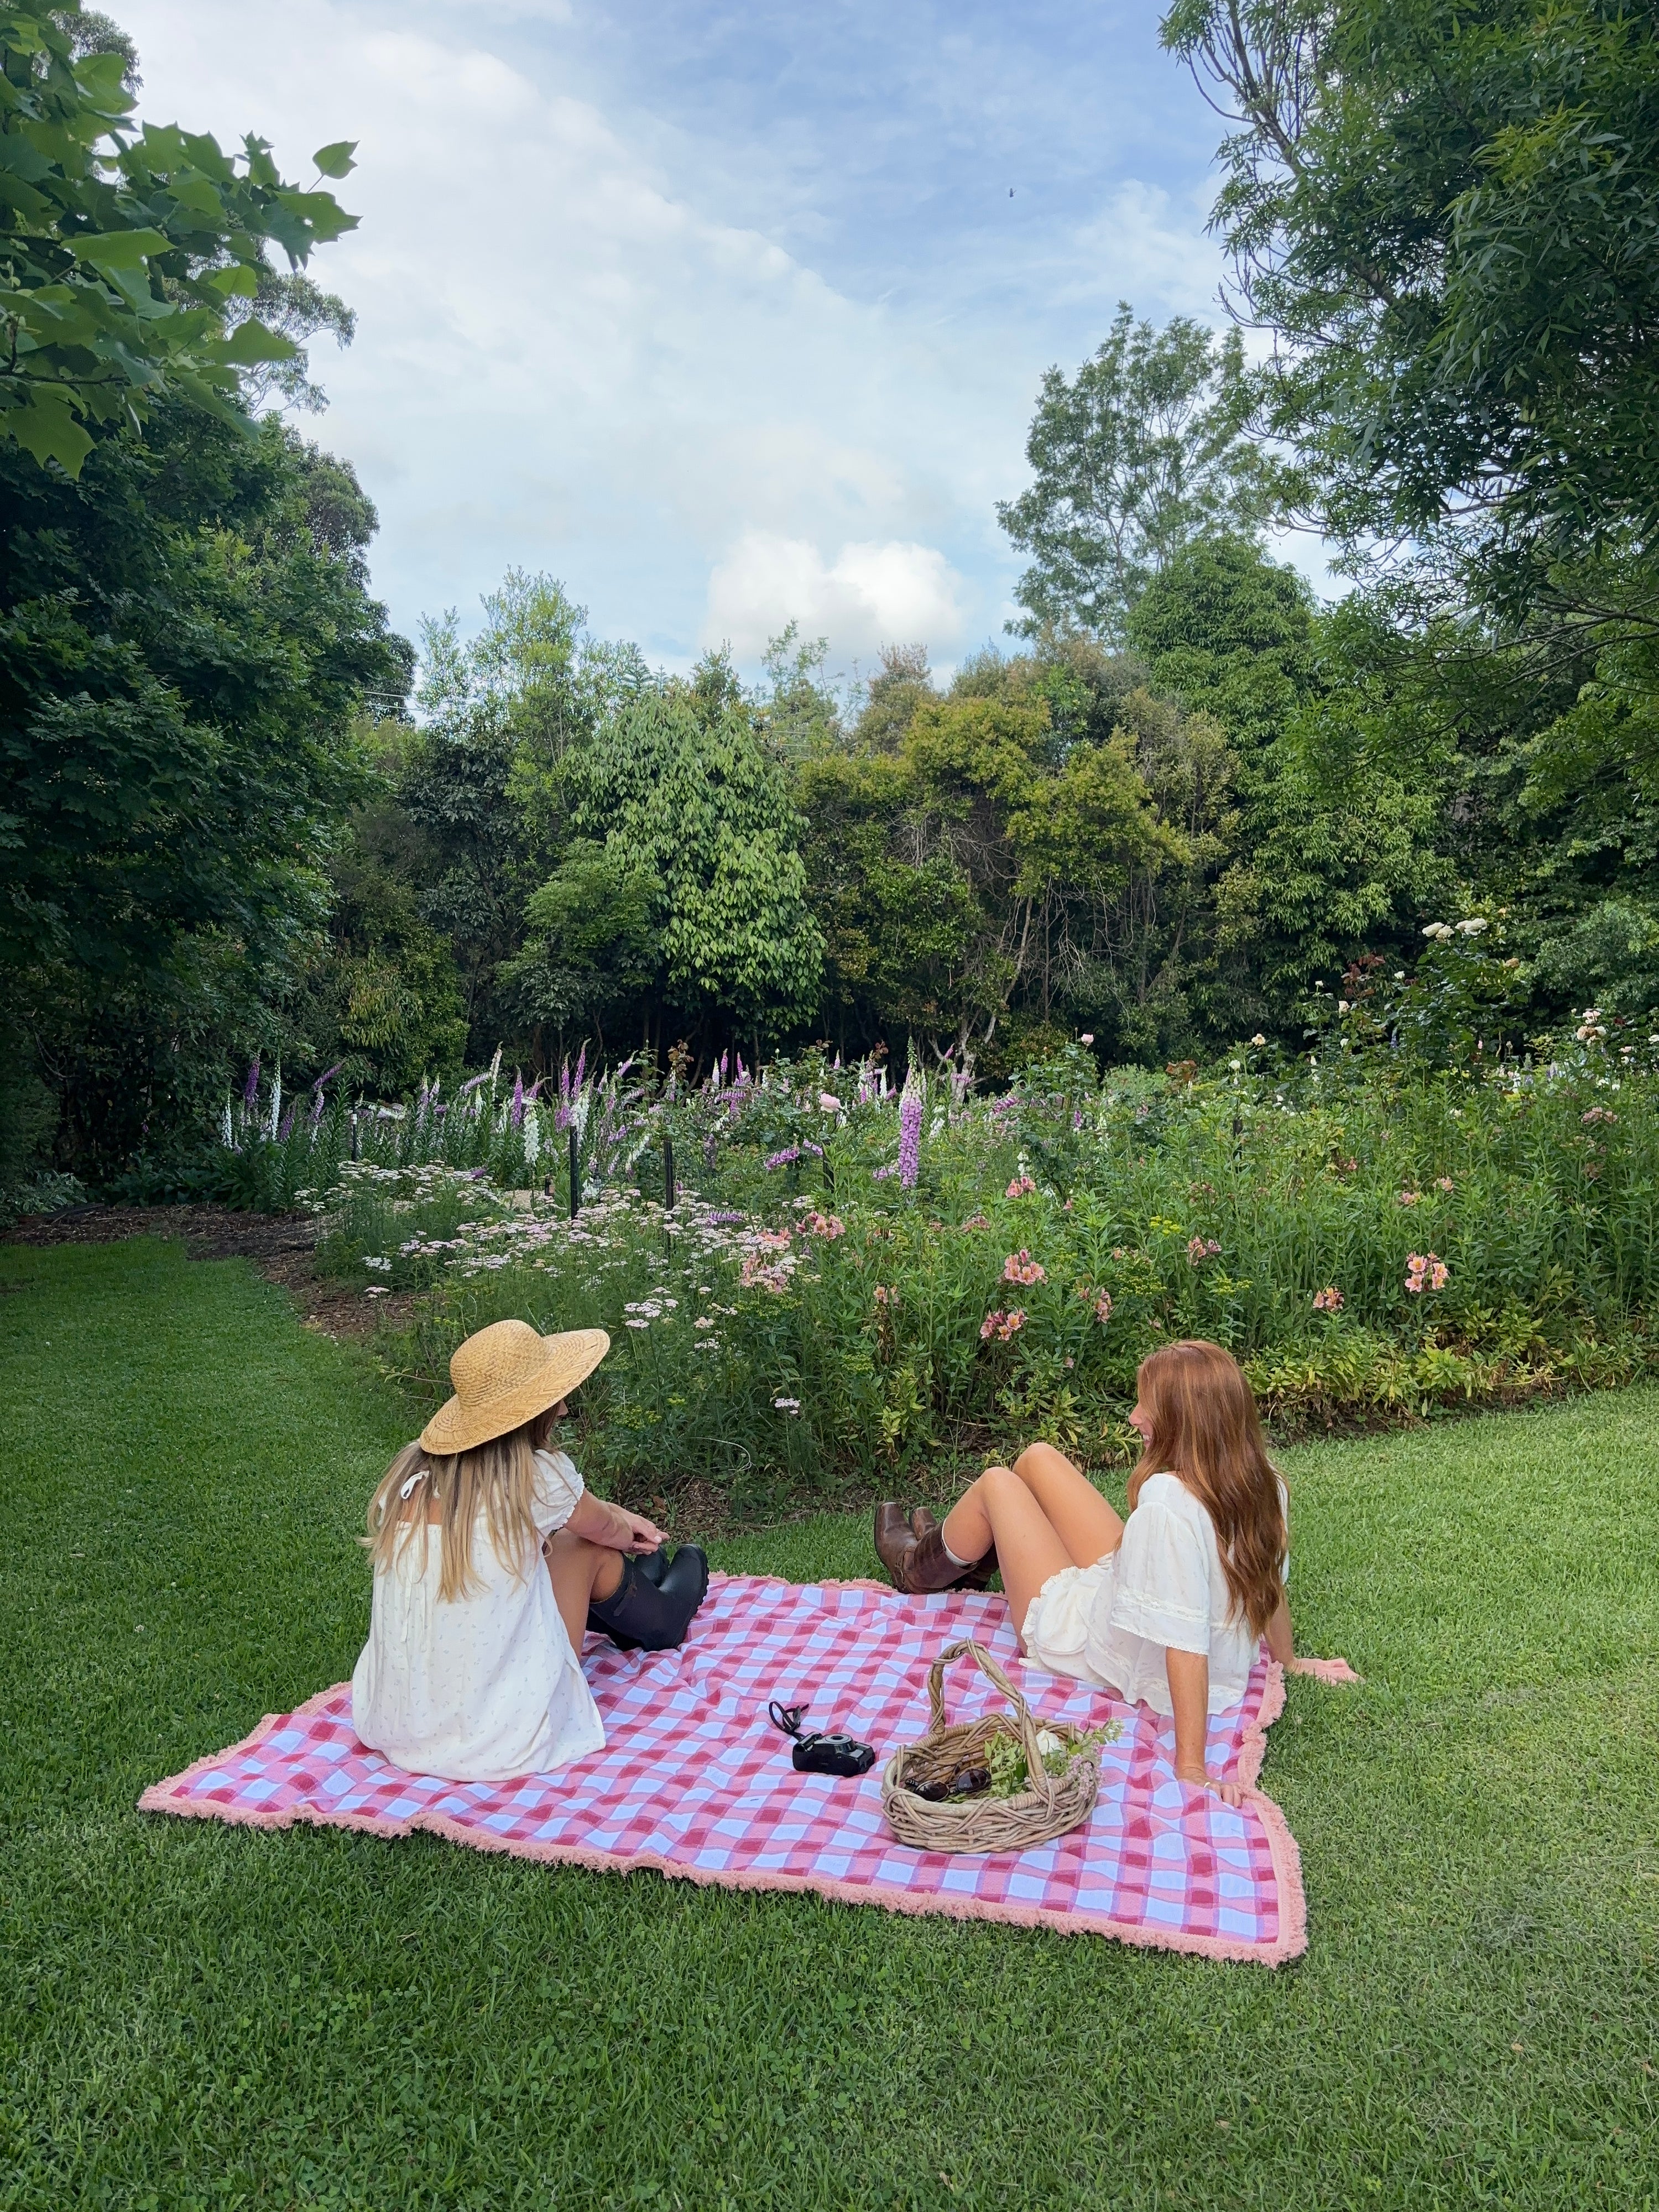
x=287, y=1129
x=722, y=1067
x=251, y=1088
x=329, y=1076
x=910, y=1111
x=581, y=1063
x=518, y=1100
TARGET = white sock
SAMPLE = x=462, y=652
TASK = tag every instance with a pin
x=954, y=1560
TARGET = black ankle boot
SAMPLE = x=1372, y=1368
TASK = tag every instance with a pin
x=638, y=1616
x=654, y=1566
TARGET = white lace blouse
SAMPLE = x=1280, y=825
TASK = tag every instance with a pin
x=479, y=1688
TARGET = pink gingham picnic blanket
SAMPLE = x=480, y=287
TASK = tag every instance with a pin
x=696, y=1782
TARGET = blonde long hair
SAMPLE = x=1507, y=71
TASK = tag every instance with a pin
x=498, y=1476
x=1206, y=1430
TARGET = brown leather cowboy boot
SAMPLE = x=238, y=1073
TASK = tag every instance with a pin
x=978, y=1576
x=916, y=1564
x=895, y=1538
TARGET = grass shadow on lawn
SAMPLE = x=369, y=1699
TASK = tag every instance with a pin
x=196, y=2017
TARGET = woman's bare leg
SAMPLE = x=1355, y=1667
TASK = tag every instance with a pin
x=999, y=1509
x=1043, y=1514
x=1086, y=1523
x=579, y=1572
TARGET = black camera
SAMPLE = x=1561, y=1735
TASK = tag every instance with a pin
x=812, y=1753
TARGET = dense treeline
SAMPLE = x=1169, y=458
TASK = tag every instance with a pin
x=242, y=816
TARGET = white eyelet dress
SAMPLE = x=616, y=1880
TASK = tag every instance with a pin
x=1164, y=1588
x=481, y=1688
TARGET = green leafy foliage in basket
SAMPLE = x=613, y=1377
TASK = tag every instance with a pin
x=1006, y=1756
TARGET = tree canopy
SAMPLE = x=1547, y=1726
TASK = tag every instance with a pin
x=1449, y=217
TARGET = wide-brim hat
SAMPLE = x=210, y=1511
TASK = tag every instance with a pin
x=504, y=1376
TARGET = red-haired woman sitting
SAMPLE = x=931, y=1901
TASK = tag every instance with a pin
x=1166, y=1608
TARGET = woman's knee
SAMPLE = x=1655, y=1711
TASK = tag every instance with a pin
x=997, y=1483
x=1040, y=1459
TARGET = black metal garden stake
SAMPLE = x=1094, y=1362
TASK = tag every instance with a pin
x=575, y=1176
x=668, y=1191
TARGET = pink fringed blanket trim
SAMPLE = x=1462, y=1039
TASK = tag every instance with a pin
x=694, y=1782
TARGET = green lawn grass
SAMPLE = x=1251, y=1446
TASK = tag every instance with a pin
x=193, y=2016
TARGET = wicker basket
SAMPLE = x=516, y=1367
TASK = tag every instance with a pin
x=1051, y=1806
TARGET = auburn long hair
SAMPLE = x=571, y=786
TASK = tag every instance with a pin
x=498, y=1476
x=1206, y=1430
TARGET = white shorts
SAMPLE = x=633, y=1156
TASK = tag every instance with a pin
x=1057, y=1619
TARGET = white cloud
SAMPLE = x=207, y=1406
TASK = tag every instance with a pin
x=1145, y=247
x=870, y=595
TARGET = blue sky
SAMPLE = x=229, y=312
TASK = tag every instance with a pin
x=722, y=314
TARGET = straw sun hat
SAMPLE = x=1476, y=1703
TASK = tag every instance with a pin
x=504, y=1376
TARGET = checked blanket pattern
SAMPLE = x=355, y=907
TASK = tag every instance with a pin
x=694, y=1781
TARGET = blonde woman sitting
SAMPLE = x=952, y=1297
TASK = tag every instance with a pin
x=491, y=1558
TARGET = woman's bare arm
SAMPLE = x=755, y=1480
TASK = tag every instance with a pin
x=1279, y=1643
x=610, y=1525
x=1189, y=1693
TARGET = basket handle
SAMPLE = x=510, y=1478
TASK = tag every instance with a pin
x=1037, y=1774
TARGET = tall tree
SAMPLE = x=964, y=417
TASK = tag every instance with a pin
x=1146, y=449
x=186, y=642
x=1450, y=218
x=692, y=807
x=972, y=882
